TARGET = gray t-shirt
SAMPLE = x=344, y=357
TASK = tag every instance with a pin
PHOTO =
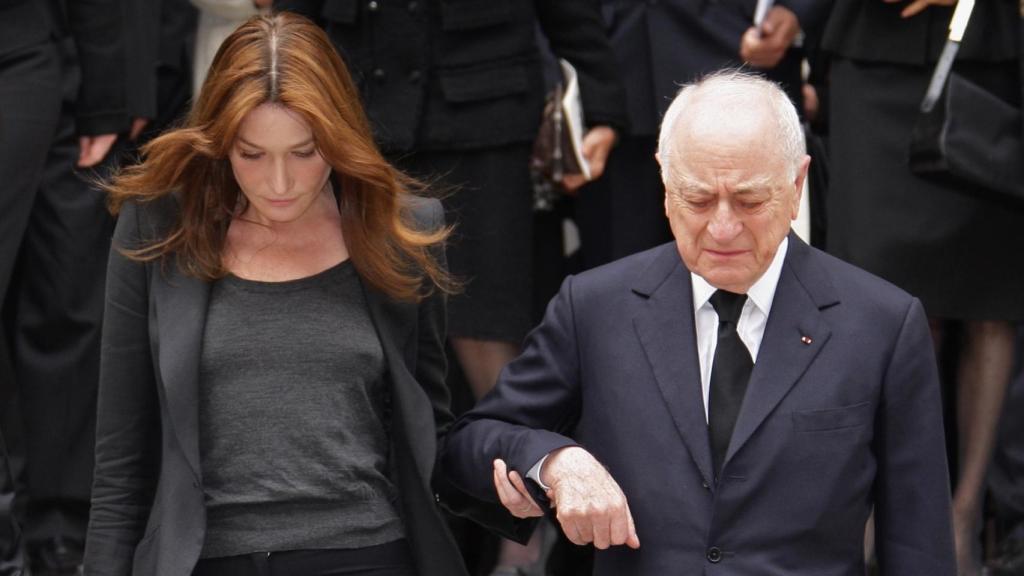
x=292, y=417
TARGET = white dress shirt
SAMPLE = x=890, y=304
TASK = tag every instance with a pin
x=753, y=318
x=750, y=327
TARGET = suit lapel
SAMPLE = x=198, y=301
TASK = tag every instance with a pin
x=665, y=327
x=181, y=303
x=793, y=337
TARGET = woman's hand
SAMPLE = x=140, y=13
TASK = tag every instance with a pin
x=765, y=47
x=597, y=144
x=513, y=494
x=917, y=6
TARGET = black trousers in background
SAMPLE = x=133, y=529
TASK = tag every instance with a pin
x=10, y=552
x=54, y=308
x=389, y=559
x=29, y=108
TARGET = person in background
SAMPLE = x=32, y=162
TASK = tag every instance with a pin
x=658, y=46
x=454, y=91
x=942, y=241
x=1006, y=478
x=62, y=111
x=217, y=20
x=272, y=375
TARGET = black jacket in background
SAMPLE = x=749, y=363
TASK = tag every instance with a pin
x=448, y=74
x=96, y=26
x=873, y=31
x=663, y=44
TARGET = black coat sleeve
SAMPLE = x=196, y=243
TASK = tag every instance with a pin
x=128, y=417
x=99, y=32
x=531, y=412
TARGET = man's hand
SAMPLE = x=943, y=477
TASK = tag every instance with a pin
x=918, y=6
x=589, y=504
x=765, y=47
x=513, y=494
x=597, y=144
x=93, y=149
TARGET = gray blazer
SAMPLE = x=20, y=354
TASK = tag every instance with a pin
x=148, y=516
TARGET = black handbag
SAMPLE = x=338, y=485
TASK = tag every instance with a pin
x=967, y=134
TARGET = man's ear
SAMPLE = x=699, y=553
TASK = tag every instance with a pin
x=798, y=184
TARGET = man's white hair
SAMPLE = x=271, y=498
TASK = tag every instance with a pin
x=735, y=87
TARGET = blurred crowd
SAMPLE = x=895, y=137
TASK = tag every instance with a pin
x=454, y=92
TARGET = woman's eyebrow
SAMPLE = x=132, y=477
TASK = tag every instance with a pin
x=304, y=143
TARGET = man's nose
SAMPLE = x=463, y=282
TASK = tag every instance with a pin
x=724, y=224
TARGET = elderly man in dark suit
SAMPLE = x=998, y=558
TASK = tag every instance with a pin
x=732, y=403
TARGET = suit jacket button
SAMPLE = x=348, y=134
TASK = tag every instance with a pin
x=379, y=75
x=373, y=6
x=415, y=76
x=714, y=555
x=413, y=6
x=705, y=484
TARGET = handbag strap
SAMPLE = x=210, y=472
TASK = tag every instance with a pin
x=957, y=27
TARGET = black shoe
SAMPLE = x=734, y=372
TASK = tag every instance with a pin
x=55, y=557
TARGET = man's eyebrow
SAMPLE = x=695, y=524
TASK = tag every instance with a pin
x=306, y=142
x=683, y=183
x=755, y=185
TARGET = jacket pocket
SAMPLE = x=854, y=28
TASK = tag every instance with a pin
x=341, y=11
x=469, y=14
x=833, y=418
x=483, y=84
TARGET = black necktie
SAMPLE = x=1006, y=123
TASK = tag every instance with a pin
x=730, y=372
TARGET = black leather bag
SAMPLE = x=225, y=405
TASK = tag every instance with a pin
x=972, y=136
x=965, y=133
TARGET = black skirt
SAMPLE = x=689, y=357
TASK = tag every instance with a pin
x=962, y=254
x=488, y=197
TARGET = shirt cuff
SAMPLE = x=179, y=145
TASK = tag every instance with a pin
x=534, y=473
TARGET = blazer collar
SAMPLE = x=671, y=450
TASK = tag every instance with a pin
x=796, y=332
x=665, y=327
x=180, y=304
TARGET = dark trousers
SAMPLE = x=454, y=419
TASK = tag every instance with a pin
x=390, y=559
x=29, y=108
x=10, y=552
x=54, y=306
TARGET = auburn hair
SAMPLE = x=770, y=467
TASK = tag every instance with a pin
x=283, y=59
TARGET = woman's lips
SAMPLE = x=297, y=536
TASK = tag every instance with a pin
x=280, y=203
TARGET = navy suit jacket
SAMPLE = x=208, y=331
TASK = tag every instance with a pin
x=842, y=413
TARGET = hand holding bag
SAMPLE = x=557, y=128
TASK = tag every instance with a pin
x=966, y=133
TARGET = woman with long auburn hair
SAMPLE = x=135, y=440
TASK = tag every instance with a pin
x=272, y=374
